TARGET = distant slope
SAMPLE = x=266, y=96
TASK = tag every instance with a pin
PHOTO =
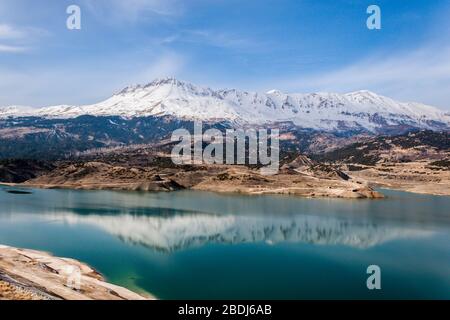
x=18, y=171
x=41, y=138
x=402, y=148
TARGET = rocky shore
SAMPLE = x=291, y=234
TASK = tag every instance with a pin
x=34, y=275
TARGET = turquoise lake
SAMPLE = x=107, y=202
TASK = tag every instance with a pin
x=199, y=245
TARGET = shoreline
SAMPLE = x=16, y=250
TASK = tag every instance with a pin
x=302, y=192
x=424, y=193
x=415, y=189
x=116, y=188
x=36, y=275
x=123, y=187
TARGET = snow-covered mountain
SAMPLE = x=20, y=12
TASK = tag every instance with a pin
x=323, y=111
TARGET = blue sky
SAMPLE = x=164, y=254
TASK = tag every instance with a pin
x=290, y=45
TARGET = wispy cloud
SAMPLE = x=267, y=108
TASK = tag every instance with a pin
x=212, y=38
x=422, y=75
x=16, y=39
x=167, y=64
x=12, y=49
x=132, y=10
x=10, y=32
x=13, y=32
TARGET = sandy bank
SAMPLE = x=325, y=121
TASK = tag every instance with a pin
x=417, y=177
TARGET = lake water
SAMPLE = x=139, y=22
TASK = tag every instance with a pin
x=189, y=245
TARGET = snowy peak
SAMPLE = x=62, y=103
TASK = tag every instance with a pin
x=360, y=110
x=169, y=84
x=11, y=111
x=274, y=92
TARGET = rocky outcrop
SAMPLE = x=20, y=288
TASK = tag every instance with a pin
x=303, y=164
x=34, y=275
x=99, y=176
x=245, y=181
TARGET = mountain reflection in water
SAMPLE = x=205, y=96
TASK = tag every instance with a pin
x=177, y=232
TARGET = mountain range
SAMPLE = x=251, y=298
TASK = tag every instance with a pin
x=169, y=97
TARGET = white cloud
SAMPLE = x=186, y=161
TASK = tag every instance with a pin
x=160, y=7
x=212, y=38
x=167, y=64
x=12, y=49
x=18, y=39
x=10, y=32
x=132, y=10
x=421, y=75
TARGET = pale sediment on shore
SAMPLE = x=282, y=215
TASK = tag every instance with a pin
x=416, y=176
x=215, y=178
x=298, y=184
x=34, y=275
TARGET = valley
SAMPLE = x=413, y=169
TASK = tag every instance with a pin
x=416, y=162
